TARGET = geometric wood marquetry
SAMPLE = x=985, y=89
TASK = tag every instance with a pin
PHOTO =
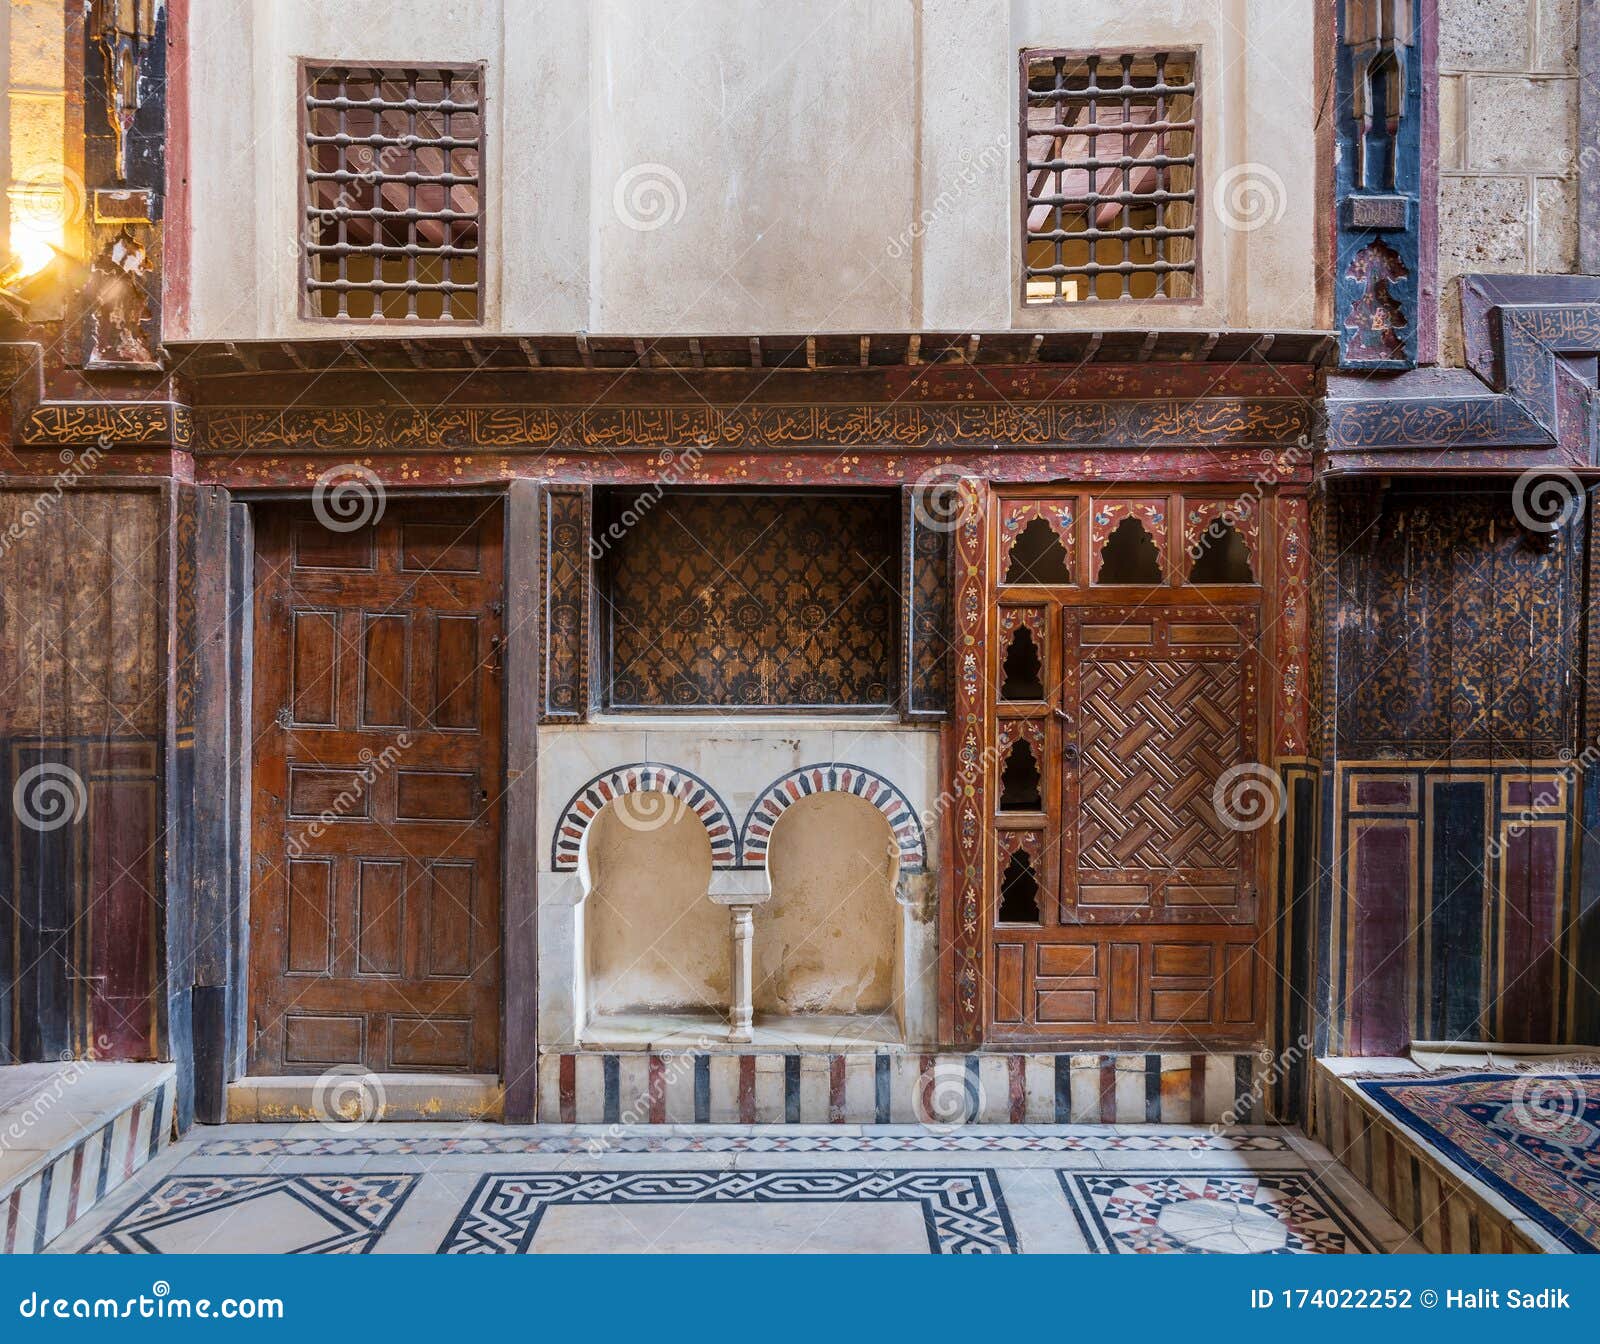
x=1162, y=706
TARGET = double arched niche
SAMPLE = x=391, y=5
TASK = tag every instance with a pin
x=802, y=926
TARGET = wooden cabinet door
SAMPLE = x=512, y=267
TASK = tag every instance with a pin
x=375, y=892
x=1158, y=706
x=1132, y=809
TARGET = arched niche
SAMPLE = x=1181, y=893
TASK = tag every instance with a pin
x=827, y=940
x=652, y=942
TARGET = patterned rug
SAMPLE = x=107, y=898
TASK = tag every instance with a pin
x=1533, y=1138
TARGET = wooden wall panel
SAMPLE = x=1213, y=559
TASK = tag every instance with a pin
x=82, y=660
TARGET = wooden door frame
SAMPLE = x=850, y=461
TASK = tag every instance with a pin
x=225, y=601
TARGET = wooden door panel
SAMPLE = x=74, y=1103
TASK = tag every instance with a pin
x=375, y=900
x=1160, y=705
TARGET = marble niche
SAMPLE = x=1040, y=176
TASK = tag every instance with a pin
x=704, y=884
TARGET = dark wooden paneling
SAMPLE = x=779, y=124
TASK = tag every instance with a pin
x=375, y=909
x=519, y=1053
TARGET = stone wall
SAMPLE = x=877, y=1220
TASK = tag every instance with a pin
x=1508, y=145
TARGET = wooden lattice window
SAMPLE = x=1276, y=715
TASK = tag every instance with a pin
x=393, y=193
x=1108, y=175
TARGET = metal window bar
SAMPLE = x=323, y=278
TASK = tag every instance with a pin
x=393, y=193
x=1109, y=176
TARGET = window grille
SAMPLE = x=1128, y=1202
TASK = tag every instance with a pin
x=393, y=193
x=1109, y=171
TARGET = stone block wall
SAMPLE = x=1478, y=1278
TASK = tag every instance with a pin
x=1508, y=145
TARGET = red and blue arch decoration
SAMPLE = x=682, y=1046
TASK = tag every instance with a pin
x=832, y=777
x=643, y=777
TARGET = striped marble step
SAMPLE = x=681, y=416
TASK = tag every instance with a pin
x=899, y=1087
x=70, y=1134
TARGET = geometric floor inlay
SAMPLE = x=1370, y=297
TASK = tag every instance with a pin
x=1211, y=1213
x=284, y=1215
x=962, y=1212
x=613, y=1141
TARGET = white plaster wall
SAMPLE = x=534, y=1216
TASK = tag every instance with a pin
x=825, y=941
x=820, y=165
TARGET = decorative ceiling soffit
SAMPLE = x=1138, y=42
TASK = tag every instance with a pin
x=1523, y=400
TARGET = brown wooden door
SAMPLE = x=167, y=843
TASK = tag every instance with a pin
x=375, y=895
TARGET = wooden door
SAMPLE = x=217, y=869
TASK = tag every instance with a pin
x=1127, y=701
x=375, y=894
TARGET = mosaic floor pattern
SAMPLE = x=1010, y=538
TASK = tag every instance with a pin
x=1534, y=1139
x=472, y=1190
x=1219, y=1213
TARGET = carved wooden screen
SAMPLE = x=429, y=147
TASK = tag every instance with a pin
x=721, y=599
x=1126, y=709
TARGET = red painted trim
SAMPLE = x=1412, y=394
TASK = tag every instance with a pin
x=747, y=1089
x=567, y=1089
x=177, y=208
x=658, y=1090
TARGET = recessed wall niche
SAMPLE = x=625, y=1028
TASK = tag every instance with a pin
x=1130, y=555
x=1022, y=673
x=1223, y=557
x=1037, y=556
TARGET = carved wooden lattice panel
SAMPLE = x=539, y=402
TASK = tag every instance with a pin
x=1158, y=706
x=752, y=600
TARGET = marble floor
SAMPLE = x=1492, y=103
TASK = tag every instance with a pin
x=489, y=1189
